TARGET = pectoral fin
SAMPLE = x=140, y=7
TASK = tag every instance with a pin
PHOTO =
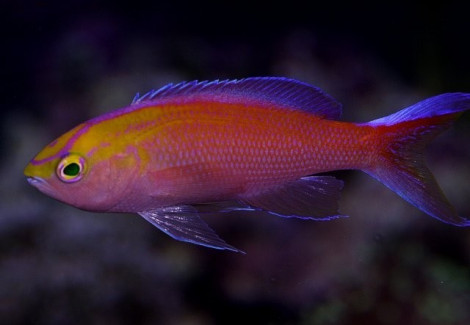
x=184, y=223
x=314, y=197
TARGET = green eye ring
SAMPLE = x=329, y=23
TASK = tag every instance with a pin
x=71, y=168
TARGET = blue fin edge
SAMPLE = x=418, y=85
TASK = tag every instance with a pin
x=278, y=91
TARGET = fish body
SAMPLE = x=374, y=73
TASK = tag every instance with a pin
x=254, y=141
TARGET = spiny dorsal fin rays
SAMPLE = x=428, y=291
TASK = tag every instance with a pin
x=177, y=89
x=275, y=91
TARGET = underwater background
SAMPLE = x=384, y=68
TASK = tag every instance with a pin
x=63, y=62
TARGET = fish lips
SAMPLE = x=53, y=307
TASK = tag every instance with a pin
x=35, y=181
x=41, y=184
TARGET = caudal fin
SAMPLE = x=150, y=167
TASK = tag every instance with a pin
x=401, y=165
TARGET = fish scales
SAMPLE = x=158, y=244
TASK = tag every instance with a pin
x=286, y=146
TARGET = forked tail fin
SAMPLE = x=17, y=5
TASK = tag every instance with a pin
x=401, y=165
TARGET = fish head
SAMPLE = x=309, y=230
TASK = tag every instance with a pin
x=83, y=168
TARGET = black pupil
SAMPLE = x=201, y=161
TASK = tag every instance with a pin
x=71, y=169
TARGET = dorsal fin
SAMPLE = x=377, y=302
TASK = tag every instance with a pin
x=278, y=91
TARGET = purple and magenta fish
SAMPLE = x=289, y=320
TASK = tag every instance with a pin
x=254, y=142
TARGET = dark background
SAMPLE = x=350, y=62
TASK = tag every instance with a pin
x=63, y=62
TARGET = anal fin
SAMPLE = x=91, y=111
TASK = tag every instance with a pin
x=314, y=197
x=184, y=223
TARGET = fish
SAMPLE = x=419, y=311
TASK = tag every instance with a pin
x=252, y=144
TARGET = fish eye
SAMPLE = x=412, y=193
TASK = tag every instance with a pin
x=71, y=168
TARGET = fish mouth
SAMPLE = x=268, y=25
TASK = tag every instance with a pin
x=45, y=187
x=35, y=181
x=40, y=184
